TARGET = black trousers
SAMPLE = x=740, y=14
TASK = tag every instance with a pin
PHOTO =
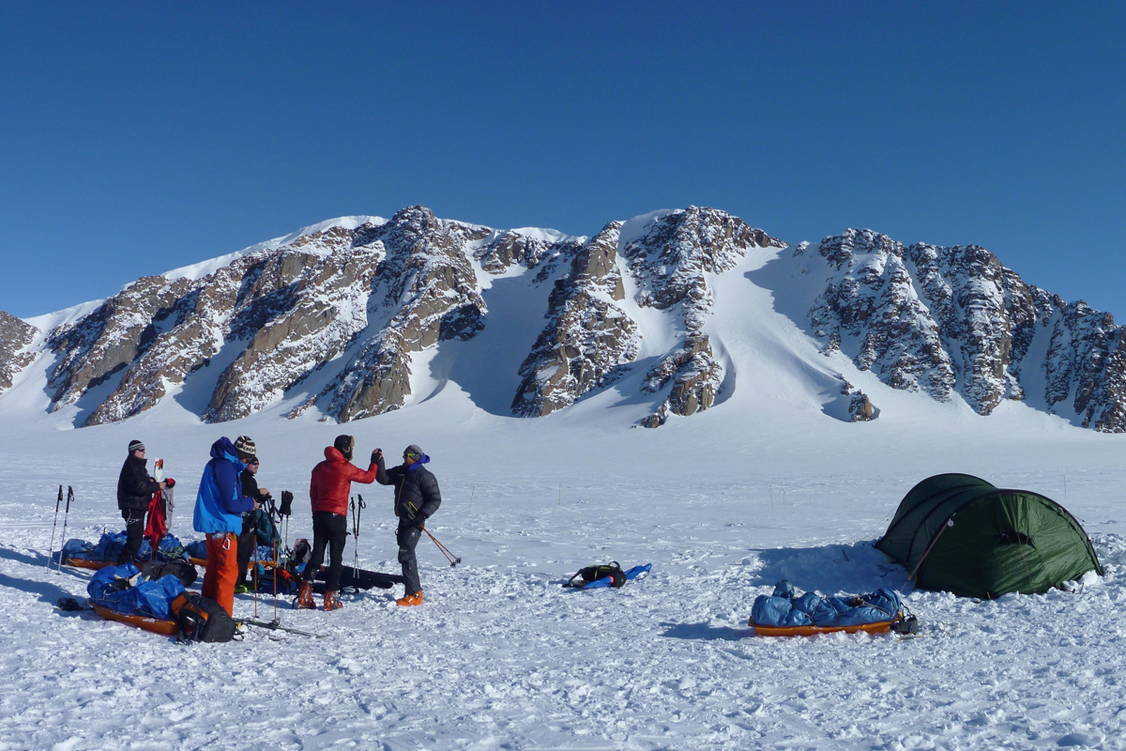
x=407, y=537
x=135, y=532
x=329, y=530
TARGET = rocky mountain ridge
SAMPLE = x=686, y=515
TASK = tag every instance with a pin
x=954, y=320
x=332, y=322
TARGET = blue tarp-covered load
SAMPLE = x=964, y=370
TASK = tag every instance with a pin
x=197, y=549
x=786, y=608
x=109, y=548
x=121, y=589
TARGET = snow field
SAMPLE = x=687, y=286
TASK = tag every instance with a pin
x=501, y=657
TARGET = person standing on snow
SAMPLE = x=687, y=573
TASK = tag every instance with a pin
x=248, y=538
x=219, y=507
x=416, y=499
x=328, y=490
x=134, y=491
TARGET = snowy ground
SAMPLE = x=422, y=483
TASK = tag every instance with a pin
x=501, y=657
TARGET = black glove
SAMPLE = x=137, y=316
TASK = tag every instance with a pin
x=420, y=520
x=376, y=456
x=286, y=504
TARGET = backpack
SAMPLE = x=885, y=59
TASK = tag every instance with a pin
x=613, y=570
x=202, y=619
x=179, y=568
x=264, y=528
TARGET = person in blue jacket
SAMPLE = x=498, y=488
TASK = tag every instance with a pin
x=219, y=506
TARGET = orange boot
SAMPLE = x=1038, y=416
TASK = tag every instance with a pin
x=332, y=602
x=407, y=600
x=305, y=596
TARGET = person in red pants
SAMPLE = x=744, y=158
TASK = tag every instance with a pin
x=219, y=506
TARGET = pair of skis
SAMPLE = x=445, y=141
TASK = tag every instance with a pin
x=275, y=625
x=74, y=604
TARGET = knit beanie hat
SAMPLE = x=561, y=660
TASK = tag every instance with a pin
x=413, y=451
x=136, y=445
x=344, y=444
x=244, y=444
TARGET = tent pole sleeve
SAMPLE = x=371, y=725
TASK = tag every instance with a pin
x=948, y=523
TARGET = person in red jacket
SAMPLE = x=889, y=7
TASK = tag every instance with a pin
x=328, y=489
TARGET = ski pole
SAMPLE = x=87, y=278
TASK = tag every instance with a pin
x=66, y=513
x=454, y=560
x=275, y=569
x=51, y=548
x=254, y=542
x=285, y=511
x=360, y=506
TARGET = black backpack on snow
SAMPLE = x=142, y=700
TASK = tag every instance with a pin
x=593, y=573
x=180, y=568
x=202, y=619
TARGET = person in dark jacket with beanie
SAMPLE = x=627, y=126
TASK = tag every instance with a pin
x=329, y=487
x=248, y=538
x=416, y=499
x=134, y=491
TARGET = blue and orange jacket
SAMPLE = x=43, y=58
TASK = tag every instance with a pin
x=219, y=504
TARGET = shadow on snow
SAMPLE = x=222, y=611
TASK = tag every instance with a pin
x=830, y=569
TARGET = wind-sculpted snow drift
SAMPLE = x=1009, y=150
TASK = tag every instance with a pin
x=339, y=320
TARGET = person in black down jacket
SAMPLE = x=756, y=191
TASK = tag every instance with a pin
x=416, y=499
x=248, y=539
x=134, y=491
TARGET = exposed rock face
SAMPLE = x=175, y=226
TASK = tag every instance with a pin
x=694, y=373
x=587, y=335
x=954, y=320
x=672, y=260
x=870, y=300
x=431, y=293
x=14, y=336
x=113, y=337
x=861, y=409
x=1087, y=358
x=293, y=335
x=590, y=337
x=505, y=249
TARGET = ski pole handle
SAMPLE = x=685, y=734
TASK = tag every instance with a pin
x=59, y=500
x=69, y=498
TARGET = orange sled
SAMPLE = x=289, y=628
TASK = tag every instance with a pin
x=83, y=563
x=879, y=627
x=156, y=625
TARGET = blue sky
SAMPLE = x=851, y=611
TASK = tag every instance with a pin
x=138, y=137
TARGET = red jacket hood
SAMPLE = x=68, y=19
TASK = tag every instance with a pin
x=332, y=481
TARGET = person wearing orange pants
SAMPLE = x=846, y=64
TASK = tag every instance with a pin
x=222, y=570
x=219, y=506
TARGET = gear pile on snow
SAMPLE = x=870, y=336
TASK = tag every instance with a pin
x=109, y=547
x=786, y=608
x=605, y=575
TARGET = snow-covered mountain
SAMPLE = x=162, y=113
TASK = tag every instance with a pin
x=666, y=314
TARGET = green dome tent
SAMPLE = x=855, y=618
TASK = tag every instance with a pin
x=961, y=534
